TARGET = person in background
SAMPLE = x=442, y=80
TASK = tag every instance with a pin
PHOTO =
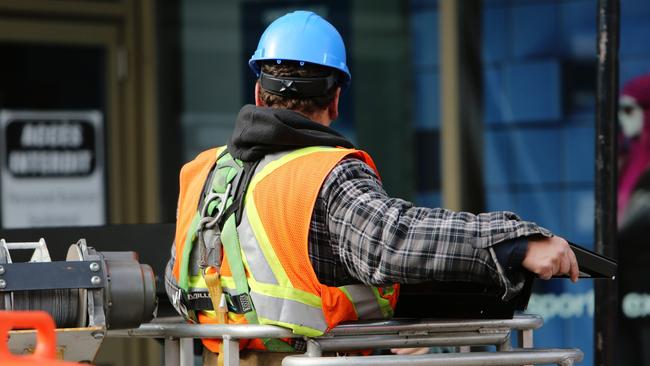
x=310, y=238
x=634, y=138
x=634, y=220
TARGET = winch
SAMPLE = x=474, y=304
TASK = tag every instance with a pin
x=111, y=290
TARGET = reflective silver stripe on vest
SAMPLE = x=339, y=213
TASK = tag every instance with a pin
x=365, y=302
x=259, y=267
x=289, y=311
x=262, y=272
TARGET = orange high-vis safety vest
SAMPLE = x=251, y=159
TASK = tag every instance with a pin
x=273, y=235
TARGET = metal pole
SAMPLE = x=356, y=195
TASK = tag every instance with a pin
x=606, y=301
x=505, y=345
x=230, y=351
x=349, y=343
x=526, y=338
x=187, y=351
x=172, y=352
x=461, y=137
x=394, y=326
x=564, y=357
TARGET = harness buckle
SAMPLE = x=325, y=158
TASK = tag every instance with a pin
x=177, y=303
x=240, y=304
x=208, y=233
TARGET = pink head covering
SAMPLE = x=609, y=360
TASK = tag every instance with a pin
x=634, y=153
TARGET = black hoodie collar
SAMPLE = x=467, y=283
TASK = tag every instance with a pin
x=260, y=131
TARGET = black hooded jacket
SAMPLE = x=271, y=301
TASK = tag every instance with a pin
x=261, y=130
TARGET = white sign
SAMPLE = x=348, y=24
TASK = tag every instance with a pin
x=566, y=305
x=636, y=305
x=52, y=168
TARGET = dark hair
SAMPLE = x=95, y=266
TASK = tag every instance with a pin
x=292, y=68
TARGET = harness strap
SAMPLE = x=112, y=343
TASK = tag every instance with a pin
x=213, y=208
x=213, y=283
x=231, y=245
x=220, y=215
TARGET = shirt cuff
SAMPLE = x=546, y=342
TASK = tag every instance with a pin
x=510, y=254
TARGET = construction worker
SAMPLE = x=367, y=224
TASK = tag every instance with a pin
x=289, y=224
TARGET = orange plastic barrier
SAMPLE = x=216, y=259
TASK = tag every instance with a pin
x=45, y=352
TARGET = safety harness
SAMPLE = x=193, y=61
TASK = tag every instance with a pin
x=216, y=228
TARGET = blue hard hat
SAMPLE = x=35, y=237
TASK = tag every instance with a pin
x=302, y=36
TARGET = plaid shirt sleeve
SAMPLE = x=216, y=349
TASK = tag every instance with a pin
x=382, y=240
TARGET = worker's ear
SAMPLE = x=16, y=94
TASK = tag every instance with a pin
x=258, y=101
x=333, y=107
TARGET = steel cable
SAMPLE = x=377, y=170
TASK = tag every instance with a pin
x=62, y=304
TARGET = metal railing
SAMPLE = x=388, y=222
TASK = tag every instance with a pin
x=397, y=333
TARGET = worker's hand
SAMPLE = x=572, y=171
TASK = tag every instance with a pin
x=410, y=351
x=548, y=257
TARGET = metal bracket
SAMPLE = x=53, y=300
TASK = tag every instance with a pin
x=51, y=275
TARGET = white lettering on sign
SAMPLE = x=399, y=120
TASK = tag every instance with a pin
x=636, y=305
x=40, y=162
x=566, y=305
x=51, y=135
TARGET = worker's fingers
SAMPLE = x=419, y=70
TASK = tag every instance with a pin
x=553, y=266
x=565, y=262
x=574, y=273
x=545, y=270
x=551, y=256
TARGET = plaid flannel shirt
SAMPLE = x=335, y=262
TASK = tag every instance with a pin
x=359, y=234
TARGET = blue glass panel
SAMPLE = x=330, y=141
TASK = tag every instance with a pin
x=535, y=30
x=635, y=8
x=499, y=168
x=534, y=90
x=536, y=155
x=568, y=316
x=500, y=200
x=579, y=216
x=497, y=103
x=579, y=26
x=541, y=206
x=417, y=4
x=494, y=34
x=428, y=199
x=635, y=37
x=424, y=31
x=579, y=154
x=578, y=333
x=630, y=69
x=550, y=335
x=427, y=100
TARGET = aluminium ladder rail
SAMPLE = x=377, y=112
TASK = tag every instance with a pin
x=396, y=333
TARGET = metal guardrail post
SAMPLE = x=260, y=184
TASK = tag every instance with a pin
x=172, y=352
x=230, y=351
x=313, y=348
x=525, y=338
x=505, y=344
x=187, y=351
